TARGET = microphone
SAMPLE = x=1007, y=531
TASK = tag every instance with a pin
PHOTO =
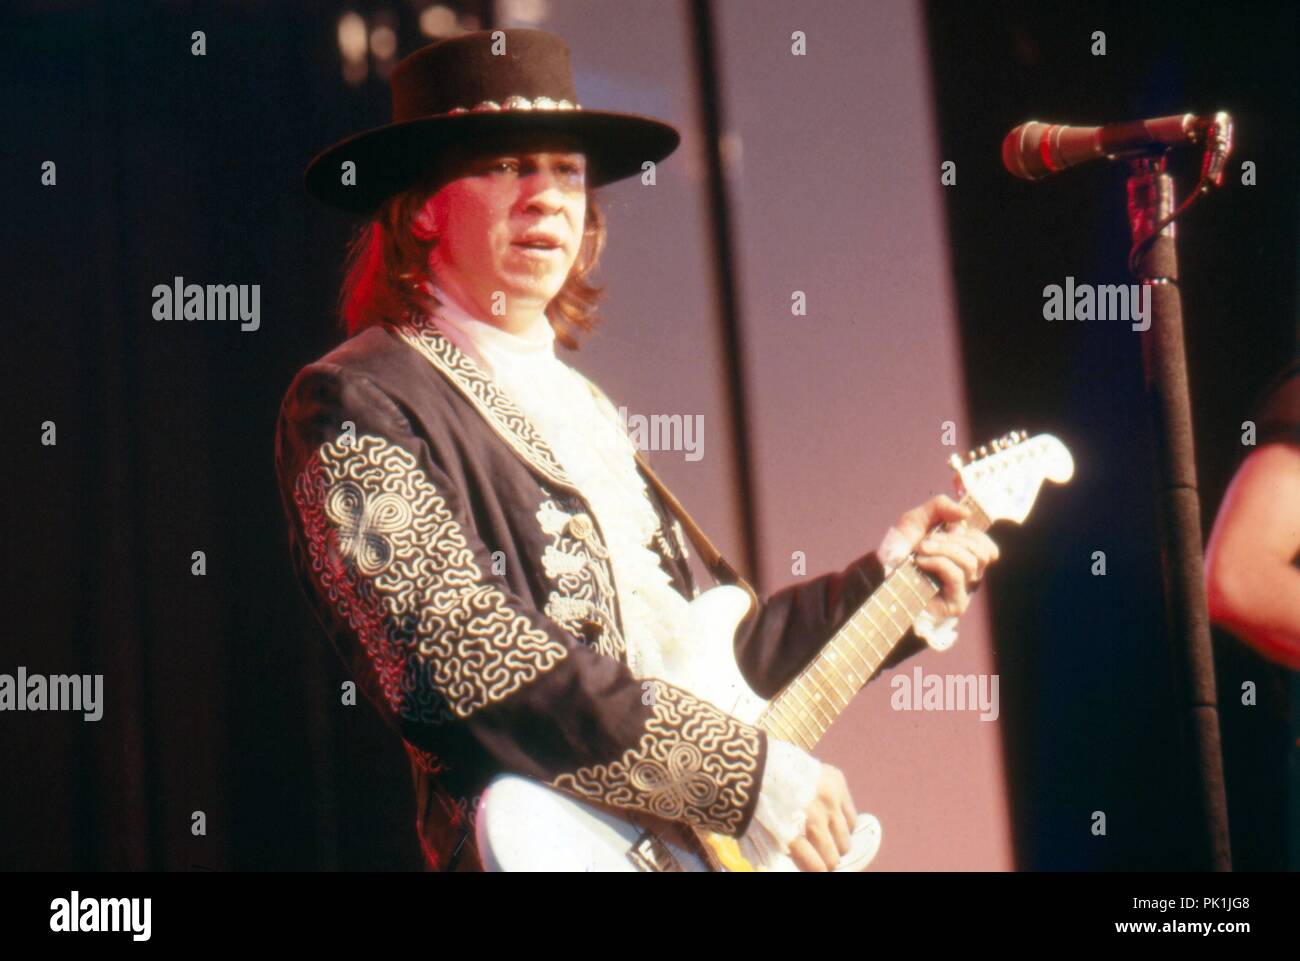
x=1034, y=150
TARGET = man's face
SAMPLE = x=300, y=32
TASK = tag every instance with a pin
x=509, y=220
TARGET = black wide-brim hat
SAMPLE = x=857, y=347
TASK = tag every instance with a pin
x=473, y=86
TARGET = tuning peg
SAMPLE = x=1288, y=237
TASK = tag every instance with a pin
x=955, y=461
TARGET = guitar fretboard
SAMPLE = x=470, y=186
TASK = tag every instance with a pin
x=805, y=709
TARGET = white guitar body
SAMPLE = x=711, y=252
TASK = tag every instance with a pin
x=522, y=825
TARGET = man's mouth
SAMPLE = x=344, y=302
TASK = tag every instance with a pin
x=539, y=242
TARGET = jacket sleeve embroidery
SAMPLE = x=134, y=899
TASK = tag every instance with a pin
x=694, y=764
x=396, y=563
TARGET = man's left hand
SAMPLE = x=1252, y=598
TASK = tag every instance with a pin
x=956, y=554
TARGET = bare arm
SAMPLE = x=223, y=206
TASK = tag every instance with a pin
x=1251, y=586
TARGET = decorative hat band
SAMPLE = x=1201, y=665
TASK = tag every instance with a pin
x=517, y=103
x=438, y=89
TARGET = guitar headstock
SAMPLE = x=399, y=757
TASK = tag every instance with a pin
x=1004, y=477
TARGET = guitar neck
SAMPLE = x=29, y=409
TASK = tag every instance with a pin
x=805, y=709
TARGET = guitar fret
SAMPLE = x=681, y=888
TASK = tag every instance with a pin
x=774, y=721
x=833, y=693
x=907, y=581
x=928, y=586
x=814, y=700
x=854, y=649
x=879, y=659
x=879, y=654
x=770, y=723
x=833, y=655
x=927, y=581
x=831, y=680
x=796, y=716
x=866, y=612
x=889, y=611
x=807, y=740
x=897, y=600
x=817, y=720
x=889, y=614
x=790, y=723
x=867, y=637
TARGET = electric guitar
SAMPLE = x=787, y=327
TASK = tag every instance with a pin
x=523, y=825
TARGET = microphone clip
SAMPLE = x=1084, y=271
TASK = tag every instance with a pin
x=1216, y=134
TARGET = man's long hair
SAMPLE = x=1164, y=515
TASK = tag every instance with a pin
x=388, y=263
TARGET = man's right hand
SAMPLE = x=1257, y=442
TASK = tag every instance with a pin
x=831, y=816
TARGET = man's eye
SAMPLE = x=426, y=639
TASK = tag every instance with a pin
x=504, y=166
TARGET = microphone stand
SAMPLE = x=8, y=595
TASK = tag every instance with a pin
x=1154, y=263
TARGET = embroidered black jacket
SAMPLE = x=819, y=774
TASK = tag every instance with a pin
x=464, y=580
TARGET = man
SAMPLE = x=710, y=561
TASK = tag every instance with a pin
x=471, y=522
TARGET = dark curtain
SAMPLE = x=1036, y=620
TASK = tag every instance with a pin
x=220, y=694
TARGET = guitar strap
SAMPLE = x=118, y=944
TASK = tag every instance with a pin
x=722, y=571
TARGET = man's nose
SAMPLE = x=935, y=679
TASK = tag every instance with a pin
x=542, y=190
